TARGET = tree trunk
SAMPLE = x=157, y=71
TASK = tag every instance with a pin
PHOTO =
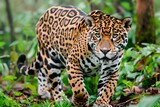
x=10, y=20
x=145, y=27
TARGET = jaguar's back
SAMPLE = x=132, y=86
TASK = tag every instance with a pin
x=58, y=28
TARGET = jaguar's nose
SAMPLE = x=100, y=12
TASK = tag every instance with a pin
x=105, y=50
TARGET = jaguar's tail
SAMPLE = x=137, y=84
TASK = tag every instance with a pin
x=31, y=68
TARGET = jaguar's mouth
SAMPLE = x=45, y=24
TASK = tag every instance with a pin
x=108, y=58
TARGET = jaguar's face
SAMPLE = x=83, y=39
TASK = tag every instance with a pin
x=108, y=36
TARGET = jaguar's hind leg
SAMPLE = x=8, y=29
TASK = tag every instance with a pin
x=56, y=85
x=43, y=86
x=54, y=67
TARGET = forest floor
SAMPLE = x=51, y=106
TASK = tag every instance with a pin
x=25, y=97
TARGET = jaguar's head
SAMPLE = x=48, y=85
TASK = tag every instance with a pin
x=107, y=35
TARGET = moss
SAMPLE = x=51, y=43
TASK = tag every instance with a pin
x=7, y=102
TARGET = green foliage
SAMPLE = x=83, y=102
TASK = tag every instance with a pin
x=63, y=104
x=126, y=5
x=7, y=102
x=30, y=47
x=10, y=81
x=16, y=93
x=31, y=87
x=157, y=85
x=65, y=82
x=27, y=101
x=9, y=78
x=3, y=67
x=148, y=101
x=90, y=86
x=2, y=44
x=138, y=66
x=47, y=104
x=31, y=79
x=64, y=78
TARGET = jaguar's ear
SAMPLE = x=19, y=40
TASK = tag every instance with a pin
x=89, y=21
x=127, y=22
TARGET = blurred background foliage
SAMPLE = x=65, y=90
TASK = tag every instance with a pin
x=140, y=66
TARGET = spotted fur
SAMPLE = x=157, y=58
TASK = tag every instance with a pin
x=86, y=45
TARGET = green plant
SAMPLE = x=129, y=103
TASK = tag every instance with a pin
x=148, y=101
x=10, y=81
x=3, y=67
x=47, y=104
x=138, y=67
x=7, y=102
x=63, y=104
x=31, y=87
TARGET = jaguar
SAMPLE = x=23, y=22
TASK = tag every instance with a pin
x=85, y=45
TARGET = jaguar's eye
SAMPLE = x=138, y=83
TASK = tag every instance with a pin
x=93, y=45
x=98, y=35
x=114, y=35
x=94, y=38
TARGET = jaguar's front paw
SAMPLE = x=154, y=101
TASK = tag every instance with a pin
x=80, y=100
x=46, y=95
x=101, y=102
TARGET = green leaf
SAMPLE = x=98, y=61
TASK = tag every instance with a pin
x=28, y=30
x=1, y=67
x=129, y=67
x=35, y=104
x=132, y=75
x=4, y=68
x=9, y=78
x=92, y=98
x=33, y=49
x=14, y=56
x=137, y=59
x=65, y=79
x=24, y=101
x=147, y=50
x=21, y=45
x=158, y=84
x=65, y=103
x=150, y=67
x=139, y=78
x=17, y=93
x=30, y=86
x=128, y=83
x=151, y=101
x=2, y=44
x=96, y=2
x=13, y=43
x=126, y=5
x=7, y=102
x=68, y=92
